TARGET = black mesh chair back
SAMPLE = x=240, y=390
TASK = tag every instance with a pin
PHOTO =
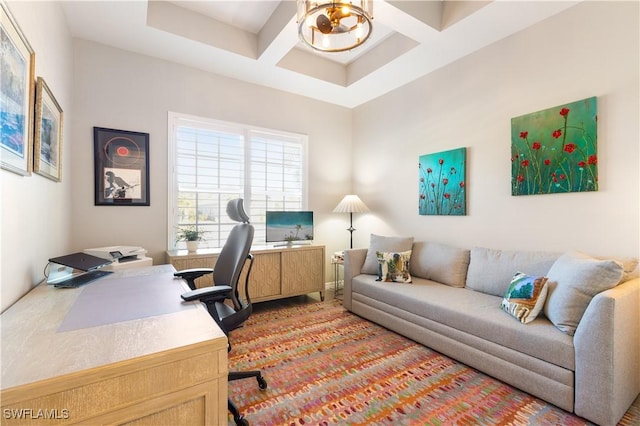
x=229, y=266
x=226, y=278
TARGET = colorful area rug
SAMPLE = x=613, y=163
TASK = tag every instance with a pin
x=325, y=366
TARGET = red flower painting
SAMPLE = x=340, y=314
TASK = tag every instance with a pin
x=441, y=183
x=555, y=150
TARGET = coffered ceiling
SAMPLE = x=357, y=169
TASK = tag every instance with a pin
x=257, y=41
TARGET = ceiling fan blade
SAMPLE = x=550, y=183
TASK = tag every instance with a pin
x=324, y=24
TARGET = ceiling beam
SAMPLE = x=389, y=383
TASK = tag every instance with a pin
x=279, y=35
x=194, y=26
x=428, y=12
x=403, y=22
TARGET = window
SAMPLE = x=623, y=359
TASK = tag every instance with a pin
x=212, y=162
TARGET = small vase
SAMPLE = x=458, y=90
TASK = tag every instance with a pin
x=192, y=245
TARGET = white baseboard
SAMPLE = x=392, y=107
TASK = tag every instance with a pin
x=330, y=285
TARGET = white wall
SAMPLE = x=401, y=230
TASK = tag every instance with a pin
x=35, y=210
x=123, y=90
x=590, y=50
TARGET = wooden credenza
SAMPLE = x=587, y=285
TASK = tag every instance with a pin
x=121, y=350
x=277, y=272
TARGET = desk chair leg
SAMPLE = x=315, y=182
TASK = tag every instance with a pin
x=237, y=417
x=238, y=375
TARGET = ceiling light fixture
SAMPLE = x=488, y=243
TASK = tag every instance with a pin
x=335, y=26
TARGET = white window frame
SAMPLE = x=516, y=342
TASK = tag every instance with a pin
x=176, y=120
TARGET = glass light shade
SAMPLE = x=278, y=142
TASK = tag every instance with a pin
x=334, y=26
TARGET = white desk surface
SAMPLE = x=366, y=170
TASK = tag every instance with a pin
x=36, y=348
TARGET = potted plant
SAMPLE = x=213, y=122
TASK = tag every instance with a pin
x=191, y=235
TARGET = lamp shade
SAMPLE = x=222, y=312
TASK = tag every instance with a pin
x=351, y=204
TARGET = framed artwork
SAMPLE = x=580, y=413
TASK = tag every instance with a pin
x=47, y=156
x=441, y=183
x=121, y=167
x=17, y=65
x=555, y=150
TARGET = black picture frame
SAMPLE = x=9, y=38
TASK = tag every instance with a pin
x=121, y=165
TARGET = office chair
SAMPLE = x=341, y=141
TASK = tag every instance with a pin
x=226, y=277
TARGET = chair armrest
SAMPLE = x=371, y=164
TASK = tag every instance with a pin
x=353, y=262
x=208, y=294
x=190, y=275
x=195, y=273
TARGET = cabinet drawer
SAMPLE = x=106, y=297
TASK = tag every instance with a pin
x=265, y=276
x=302, y=271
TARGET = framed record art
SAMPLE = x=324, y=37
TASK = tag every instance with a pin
x=121, y=167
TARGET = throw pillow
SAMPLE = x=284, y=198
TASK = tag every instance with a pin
x=491, y=270
x=394, y=266
x=573, y=280
x=629, y=267
x=439, y=262
x=525, y=298
x=383, y=244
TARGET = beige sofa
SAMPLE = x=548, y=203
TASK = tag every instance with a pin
x=453, y=305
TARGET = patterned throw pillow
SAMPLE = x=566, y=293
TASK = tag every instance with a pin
x=394, y=266
x=382, y=243
x=525, y=297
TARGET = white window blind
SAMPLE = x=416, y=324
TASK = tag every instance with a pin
x=212, y=162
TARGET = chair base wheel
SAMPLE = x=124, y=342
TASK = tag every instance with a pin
x=237, y=417
x=241, y=421
x=262, y=383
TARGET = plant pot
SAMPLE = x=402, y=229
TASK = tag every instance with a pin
x=192, y=245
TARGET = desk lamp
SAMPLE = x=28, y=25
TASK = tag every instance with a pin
x=351, y=204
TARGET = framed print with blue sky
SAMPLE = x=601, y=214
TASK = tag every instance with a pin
x=17, y=65
x=47, y=153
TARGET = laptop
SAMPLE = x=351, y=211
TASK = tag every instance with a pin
x=61, y=271
x=81, y=261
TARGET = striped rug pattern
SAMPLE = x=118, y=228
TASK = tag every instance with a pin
x=326, y=366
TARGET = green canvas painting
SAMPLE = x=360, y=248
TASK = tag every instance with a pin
x=441, y=184
x=555, y=150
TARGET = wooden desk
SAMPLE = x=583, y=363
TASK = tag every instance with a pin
x=63, y=365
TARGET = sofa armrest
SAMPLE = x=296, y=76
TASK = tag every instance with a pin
x=353, y=261
x=607, y=371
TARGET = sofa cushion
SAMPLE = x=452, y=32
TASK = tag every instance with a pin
x=490, y=271
x=629, y=266
x=574, y=279
x=439, y=262
x=394, y=266
x=471, y=312
x=525, y=297
x=383, y=244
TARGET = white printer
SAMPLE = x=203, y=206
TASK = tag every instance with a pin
x=122, y=256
